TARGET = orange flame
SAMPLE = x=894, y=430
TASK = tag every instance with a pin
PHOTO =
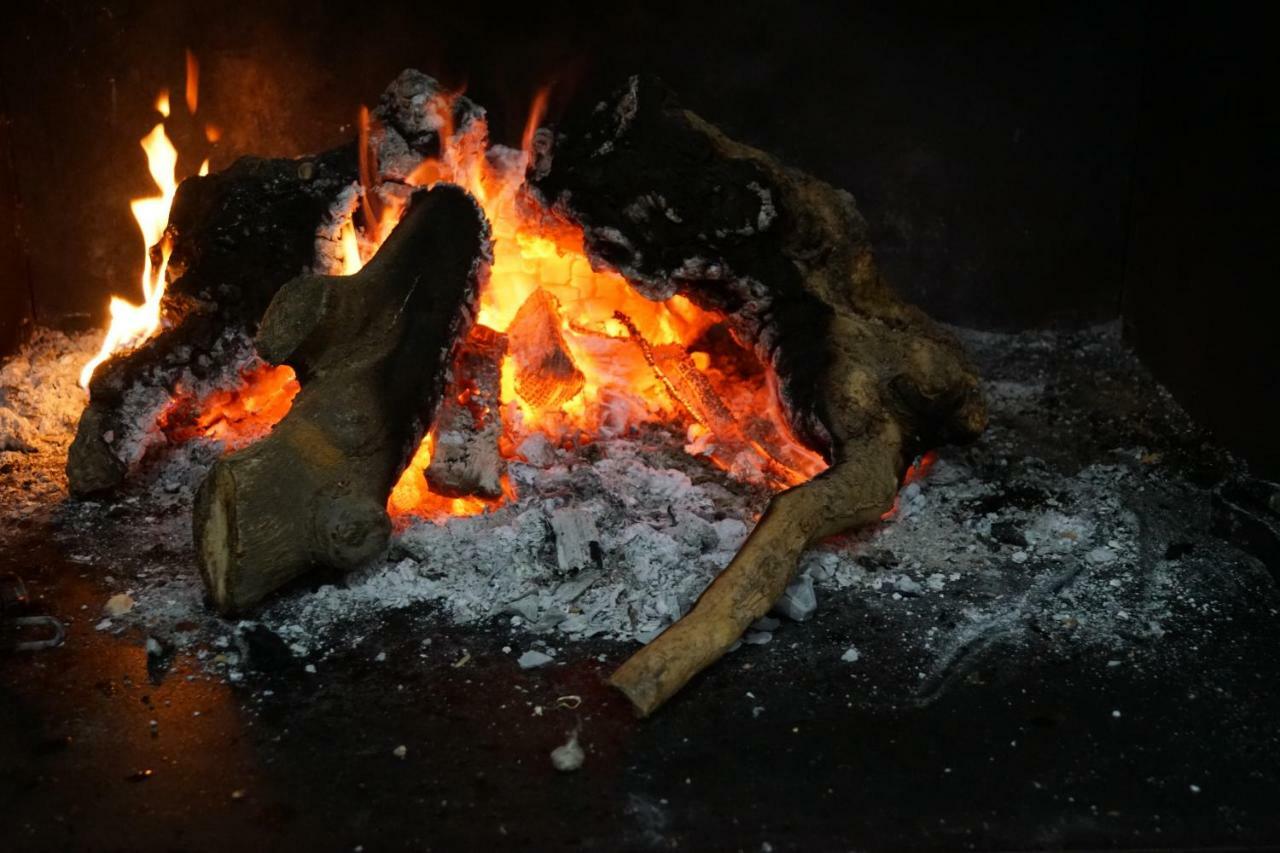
x=132, y=324
x=193, y=82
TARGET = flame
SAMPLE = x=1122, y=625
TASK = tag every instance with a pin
x=193, y=82
x=132, y=324
x=534, y=250
x=615, y=369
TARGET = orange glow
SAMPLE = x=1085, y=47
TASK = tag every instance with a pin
x=132, y=324
x=193, y=82
x=915, y=472
x=212, y=133
x=640, y=361
x=534, y=250
x=237, y=417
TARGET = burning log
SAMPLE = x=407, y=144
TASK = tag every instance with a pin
x=546, y=376
x=677, y=207
x=237, y=236
x=466, y=461
x=370, y=351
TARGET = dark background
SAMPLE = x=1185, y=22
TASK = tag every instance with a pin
x=1022, y=166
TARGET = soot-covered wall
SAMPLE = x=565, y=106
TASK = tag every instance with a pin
x=991, y=150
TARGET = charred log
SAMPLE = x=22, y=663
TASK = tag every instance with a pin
x=237, y=236
x=677, y=207
x=546, y=376
x=466, y=461
x=371, y=351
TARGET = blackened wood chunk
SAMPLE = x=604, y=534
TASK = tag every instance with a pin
x=677, y=207
x=466, y=460
x=238, y=236
x=371, y=352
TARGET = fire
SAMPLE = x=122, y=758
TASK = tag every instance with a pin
x=132, y=324
x=609, y=383
x=587, y=356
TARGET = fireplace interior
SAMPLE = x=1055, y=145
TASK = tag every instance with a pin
x=636, y=427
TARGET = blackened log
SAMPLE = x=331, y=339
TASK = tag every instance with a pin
x=238, y=236
x=371, y=353
x=466, y=460
x=677, y=207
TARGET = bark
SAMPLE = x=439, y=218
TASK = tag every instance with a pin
x=870, y=382
x=371, y=352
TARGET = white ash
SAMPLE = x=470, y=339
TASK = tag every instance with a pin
x=1050, y=529
x=40, y=398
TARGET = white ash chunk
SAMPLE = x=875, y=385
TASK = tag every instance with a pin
x=568, y=756
x=533, y=659
x=329, y=249
x=799, y=601
x=537, y=450
x=577, y=540
x=118, y=605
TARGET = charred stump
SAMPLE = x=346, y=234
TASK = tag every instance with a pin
x=677, y=207
x=371, y=351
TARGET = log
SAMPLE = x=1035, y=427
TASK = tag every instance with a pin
x=466, y=460
x=546, y=377
x=868, y=381
x=371, y=352
x=238, y=235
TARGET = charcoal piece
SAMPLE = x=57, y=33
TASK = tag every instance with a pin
x=264, y=650
x=1246, y=512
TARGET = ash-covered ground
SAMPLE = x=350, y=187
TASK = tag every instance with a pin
x=1078, y=520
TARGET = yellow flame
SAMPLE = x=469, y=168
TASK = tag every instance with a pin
x=351, y=262
x=162, y=103
x=131, y=324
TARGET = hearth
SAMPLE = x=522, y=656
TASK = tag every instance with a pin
x=422, y=463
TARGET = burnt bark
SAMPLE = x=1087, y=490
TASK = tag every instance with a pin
x=238, y=236
x=371, y=353
x=677, y=207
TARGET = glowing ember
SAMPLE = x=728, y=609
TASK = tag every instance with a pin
x=132, y=324
x=608, y=385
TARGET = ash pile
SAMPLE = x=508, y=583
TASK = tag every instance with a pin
x=1083, y=519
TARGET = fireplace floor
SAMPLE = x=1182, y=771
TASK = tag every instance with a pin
x=1046, y=646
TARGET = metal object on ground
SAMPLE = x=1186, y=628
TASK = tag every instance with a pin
x=20, y=630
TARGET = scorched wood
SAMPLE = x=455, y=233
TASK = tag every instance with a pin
x=466, y=460
x=237, y=236
x=677, y=207
x=371, y=352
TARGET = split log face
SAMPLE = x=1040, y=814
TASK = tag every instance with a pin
x=546, y=377
x=677, y=207
x=238, y=235
x=371, y=353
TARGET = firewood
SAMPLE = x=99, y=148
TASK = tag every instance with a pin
x=466, y=460
x=546, y=377
x=238, y=235
x=371, y=351
x=677, y=207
